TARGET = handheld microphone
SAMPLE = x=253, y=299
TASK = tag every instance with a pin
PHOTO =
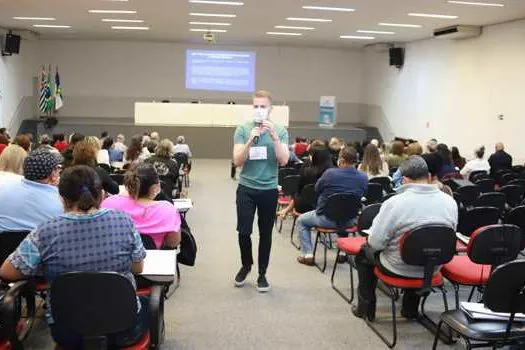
x=256, y=138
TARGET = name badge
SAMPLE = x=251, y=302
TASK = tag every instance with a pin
x=258, y=153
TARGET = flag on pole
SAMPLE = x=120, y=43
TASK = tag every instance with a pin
x=44, y=90
x=50, y=101
x=59, y=103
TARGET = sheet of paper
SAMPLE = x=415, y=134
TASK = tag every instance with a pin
x=160, y=263
x=258, y=153
x=183, y=204
x=479, y=311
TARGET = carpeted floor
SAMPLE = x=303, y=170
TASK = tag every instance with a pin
x=300, y=312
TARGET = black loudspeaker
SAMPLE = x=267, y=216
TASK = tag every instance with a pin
x=397, y=56
x=50, y=122
x=11, y=44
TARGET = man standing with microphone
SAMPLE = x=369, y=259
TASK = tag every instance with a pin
x=260, y=146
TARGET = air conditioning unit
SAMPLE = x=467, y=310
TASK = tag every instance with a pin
x=457, y=32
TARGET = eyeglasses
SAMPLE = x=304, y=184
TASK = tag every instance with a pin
x=260, y=106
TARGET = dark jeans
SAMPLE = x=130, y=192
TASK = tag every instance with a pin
x=366, y=261
x=69, y=340
x=265, y=201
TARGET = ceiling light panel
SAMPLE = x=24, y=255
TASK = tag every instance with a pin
x=304, y=19
x=208, y=30
x=35, y=18
x=357, y=37
x=294, y=28
x=401, y=25
x=51, y=26
x=432, y=15
x=475, y=3
x=117, y=20
x=213, y=2
x=328, y=8
x=375, y=32
x=129, y=28
x=284, y=33
x=113, y=11
x=210, y=24
x=199, y=14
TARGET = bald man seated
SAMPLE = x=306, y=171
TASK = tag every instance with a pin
x=499, y=159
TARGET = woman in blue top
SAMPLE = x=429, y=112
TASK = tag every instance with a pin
x=85, y=239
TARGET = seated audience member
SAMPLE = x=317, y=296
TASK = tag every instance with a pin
x=34, y=199
x=164, y=165
x=334, y=146
x=345, y=179
x=372, y=164
x=320, y=161
x=68, y=153
x=448, y=169
x=476, y=164
x=84, y=239
x=116, y=152
x=103, y=136
x=12, y=164
x=3, y=132
x=4, y=142
x=136, y=152
x=499, y=160
x=182, y=147
x=154, y=136
x=23, y=141
x=457, y=159
x=301, y=146
x=431, y=146
x=158, y=219
x=85, y=153
x=413, y=149
x=418, y=203
x=397, y=155
x=152, y=146
x=434, y=165
x=103, y=152
x=45, y=144
x=60, y=142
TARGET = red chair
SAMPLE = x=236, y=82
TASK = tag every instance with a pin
x=290, y=186
x=308, y=199
x=488, y=247
x=472, y=219
x=340, y=208
x=352, y=245
x=429, y=247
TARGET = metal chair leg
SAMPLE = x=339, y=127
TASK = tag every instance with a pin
x=281, y=226
x=317, y=240
x=434, y=346
x=340, y=292
x=385, y=340
x=429, y=324
x=291, y=233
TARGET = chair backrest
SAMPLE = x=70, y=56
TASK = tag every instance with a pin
x=94, y=303
x=491, y=199
x=9, y=241
x=508, y=177
x=367, y=216
x=309, y=196
x=284, y=172
x=518, y=169
x=392, y=171
x=181, y=158
x=384, y=181
x=477, y=174
x=468, y=194
x=514, y=194
x=148, y=242
x=290, y=185
x=505, y=290
x=374, y=193
x=106, y=167
x=118, y=178
x=495, y=244
x=516, y=216
x=472, y=219
x=519, y=182
x=341, y=208
x=388, y=196
x=428, y=246
x=486, y=185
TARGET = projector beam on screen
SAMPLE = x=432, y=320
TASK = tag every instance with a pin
x=220, y=70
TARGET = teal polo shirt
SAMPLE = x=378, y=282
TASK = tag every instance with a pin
x=260, y=174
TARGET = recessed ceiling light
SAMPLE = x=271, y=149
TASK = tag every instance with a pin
x=475, y=3
x=357, y=37
x=328, y=8
x=431, y=15
x=284, y=33
x=129, y=28
x=210, y=24
x=212, y=15
x=50, y=26
x=375, y=32
x=304, y=19
x=35, y=18
x=213, y=2
x=208, y=30
x=295, y=28
x=115, y=20
x=400, y=25
x=113, y=11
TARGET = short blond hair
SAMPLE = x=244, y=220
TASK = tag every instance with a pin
x=164, y=148
x=263, y=94
x=12, y=159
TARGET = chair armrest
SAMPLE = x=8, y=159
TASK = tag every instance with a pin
x=156, y=305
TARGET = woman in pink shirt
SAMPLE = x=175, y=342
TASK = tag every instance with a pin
x=158, y=219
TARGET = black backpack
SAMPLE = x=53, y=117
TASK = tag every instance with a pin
x=188, y=246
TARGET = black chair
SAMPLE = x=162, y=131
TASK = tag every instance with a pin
x=10, y=315
x=384, y=181
x=498, y=175
x=109, y=305
x=9, y=241
x=518, y=169
x=505, y=293
x=507, y=178
x=149, y=244
x=491, y=199
x=519, y=182
x=513, y=193
x=290, y=186
x=284, y=172
x=308, y=201
x=118, y=178
x=486, y=185
x=340, y=208
x=516, y=216
x=428, y=247
x=106, y=167
x=477, y=175
x=472, y=219
x=183, y=161
x=468, y=194
x=388, y=196
x=352, y=245
x=374, y=193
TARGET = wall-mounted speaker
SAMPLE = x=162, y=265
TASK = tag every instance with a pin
x=11, y=44
x=397, y=56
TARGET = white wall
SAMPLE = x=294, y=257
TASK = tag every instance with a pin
x=104, y=78
x=455, y=90
x=16, y=87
